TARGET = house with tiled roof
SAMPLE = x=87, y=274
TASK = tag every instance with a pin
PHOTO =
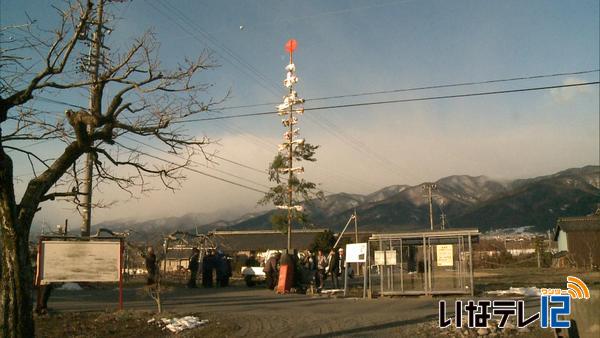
x=580, y=238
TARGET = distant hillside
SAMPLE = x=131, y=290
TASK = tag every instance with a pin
x=467, y=201
x=155, y=229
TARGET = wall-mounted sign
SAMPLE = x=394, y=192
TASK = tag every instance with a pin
x=385, y=257
x=444, y=255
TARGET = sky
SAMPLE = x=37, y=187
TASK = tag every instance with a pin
x=347, y=47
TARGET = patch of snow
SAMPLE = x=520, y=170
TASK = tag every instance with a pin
x=71, y=287
x=531, y=291
x=177, y=325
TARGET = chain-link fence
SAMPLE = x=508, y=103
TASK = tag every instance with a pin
x=414, y=263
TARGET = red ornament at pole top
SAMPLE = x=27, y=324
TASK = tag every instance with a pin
x=290, y=46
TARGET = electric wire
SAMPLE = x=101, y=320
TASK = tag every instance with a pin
x=372, y=103
x=195, y=162
x=449, y=85
x=196, y=170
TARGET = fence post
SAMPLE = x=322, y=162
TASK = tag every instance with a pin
x=471, y=265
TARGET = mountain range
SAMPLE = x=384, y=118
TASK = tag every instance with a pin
x=466, y=201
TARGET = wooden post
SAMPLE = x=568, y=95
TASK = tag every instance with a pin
x=121, y=276
x=346, y=265
x=365, y=271
x=381, y=268
x=391, y=267
x=429, y=261
x=424, y=265
x=401, y=268
x=471, y=265
x=38, y=273
x=356, y=240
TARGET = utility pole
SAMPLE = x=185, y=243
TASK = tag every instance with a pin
x=291, y=104
x=355, y=227
x=95, y=106
x=356, y=265
x=443, y=216
x=443, y=220
x=428, y=187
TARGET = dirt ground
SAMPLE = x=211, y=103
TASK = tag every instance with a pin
x=238, y=311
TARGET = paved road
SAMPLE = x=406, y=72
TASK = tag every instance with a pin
x=260, y=312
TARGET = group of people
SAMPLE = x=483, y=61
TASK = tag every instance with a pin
x=332, y=265
x=319, y=267
x=212, y=262
x=217, y=262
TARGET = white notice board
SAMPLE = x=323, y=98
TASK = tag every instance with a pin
x=80, y=261
x=356, y=253
x=385, y=257
x=444, y=255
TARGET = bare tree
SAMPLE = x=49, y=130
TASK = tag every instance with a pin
x=143, y=100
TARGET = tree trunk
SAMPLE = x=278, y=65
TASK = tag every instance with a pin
x=16, y=282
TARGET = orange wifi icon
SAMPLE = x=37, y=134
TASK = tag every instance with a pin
x=577, y=288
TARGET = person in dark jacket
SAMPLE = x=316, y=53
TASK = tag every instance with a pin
x=193, y=266
x=150, y=259
x=207, y=269
x=228, y=271
x=223, y=268
x=271, y=271
x=333, y=268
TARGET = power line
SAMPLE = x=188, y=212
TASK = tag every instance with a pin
x=196, y=162
x=459, y=84
x=427, y=98
x=398, y=101
x=219, y=157
x=197, y=171
x=400, y=90
x=240, y=164
x=449, y=85
x=518, y=90
x=333, y=174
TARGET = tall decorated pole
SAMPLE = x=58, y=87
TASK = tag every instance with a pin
x=291, y=104
x=291, y=192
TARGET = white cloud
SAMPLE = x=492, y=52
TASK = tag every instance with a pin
x=566, y=94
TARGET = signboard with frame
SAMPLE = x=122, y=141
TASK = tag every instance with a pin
x=356, y=253
x=444, y=255
x=79, y=261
